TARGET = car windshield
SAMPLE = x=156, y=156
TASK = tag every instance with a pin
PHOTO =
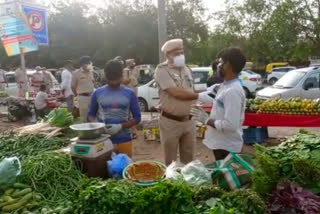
x=289, y=80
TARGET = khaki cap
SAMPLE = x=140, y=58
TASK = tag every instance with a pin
x=172, y=45
x=128, y=61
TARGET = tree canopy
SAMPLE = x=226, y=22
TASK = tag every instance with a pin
x=267, y=30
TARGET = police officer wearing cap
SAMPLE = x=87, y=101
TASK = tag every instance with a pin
x=175, y=83
x=83, y=85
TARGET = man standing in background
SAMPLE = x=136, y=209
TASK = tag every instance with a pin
x=175, y=83
x=22, y=81
x=47, y=80
x=131, y=75
x=3, y=80
x=37, y=79
x=83, y=86
x=66, y=80
x=130, y=80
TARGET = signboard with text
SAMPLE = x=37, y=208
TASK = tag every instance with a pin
x=37, y=18
x=16, y=36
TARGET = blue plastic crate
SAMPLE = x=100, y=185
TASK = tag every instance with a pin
x=254, y=135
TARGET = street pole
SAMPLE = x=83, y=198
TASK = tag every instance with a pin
x=162, y=27
x=22, y=60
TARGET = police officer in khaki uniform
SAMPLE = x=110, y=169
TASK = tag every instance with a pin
x=22, y=81
x=37, y=79
x=83, y=86
x=176, y=98
x=3, y=80
x=47, y=80
x=131, y=75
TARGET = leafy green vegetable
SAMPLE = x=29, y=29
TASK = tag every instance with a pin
x=107, y=197
x=296, y=159
x=244, y=200
x=166, y=197
x=205, y=192
x=59, y=117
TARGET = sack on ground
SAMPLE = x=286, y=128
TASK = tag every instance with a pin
x=194, y=173
x=233, y=172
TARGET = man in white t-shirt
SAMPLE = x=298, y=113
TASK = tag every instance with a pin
x=66, y=80
x=41, y=102
x=224, y=125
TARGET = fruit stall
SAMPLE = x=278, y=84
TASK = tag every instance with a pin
x=294, y=112
x=42, y=171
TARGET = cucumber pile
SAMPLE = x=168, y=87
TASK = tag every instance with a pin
x=22, y=199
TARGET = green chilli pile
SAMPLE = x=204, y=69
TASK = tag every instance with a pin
x=24, y=146
x=53, y=175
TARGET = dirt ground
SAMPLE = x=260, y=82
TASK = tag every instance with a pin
x=152, y=150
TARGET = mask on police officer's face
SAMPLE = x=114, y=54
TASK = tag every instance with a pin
x=89, y=67
x=179, y=61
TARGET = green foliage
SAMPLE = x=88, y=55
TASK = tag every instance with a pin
x=267, y=31
x=108, y=197
x=166, y=197
x=296, y=160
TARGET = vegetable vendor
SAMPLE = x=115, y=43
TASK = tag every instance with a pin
x=113, y=104
x=224, y=125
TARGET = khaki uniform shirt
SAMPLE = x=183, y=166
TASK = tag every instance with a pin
x=132, y=75
x=47, y=79
x=2, y=76
x=83, y=81
x=167, y=77
x=21, y=76
x=37, y=79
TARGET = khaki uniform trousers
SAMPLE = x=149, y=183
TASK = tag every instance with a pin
x=174, y=135
x=83, y=103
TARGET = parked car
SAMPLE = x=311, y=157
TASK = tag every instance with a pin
x=251, y=82
x=148, y=94
x=277, y=73
x=302, y=83
x=200, y=76
x=12, y=88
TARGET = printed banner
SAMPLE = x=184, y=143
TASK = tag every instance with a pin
x=16, y=36
x=37, y=19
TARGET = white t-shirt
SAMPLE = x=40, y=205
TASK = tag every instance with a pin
x=228, y=112
x=41, y=100
x=66, y=80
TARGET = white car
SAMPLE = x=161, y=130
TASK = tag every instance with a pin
x=251, y=82
x=277, y=73
x=302, y=83
x=12, y=88
x=148, y=94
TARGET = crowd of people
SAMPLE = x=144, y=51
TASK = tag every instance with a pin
x=116, y=103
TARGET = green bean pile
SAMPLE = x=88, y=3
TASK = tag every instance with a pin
x=53, y=175
x=25, y=146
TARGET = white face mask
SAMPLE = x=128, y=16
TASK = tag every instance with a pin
x=179, y=61
x=90, y=67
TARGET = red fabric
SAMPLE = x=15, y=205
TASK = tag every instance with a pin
x=265, y=120
x=53, y=105
x=252, y=119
